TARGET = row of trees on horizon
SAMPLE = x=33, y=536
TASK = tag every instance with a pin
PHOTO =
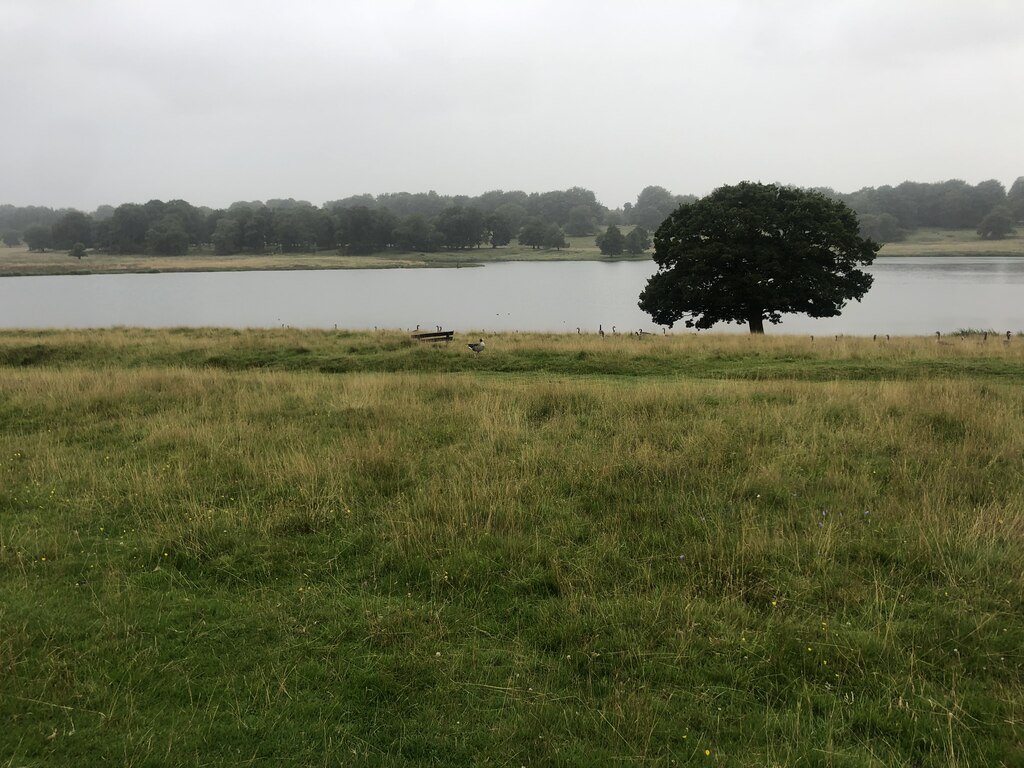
x=429, y=222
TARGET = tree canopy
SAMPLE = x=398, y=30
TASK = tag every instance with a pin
x=611, y=241
x=1015, y=199
x=461, y=227
x=73, y=227
x=653, y=205
x=38, y=237
x=499, y=229
x=637, y=241
x=554, y=237
x=997, y=225
x=533, y=232
x=167, y=237
x=753, y=252
x=581, y=221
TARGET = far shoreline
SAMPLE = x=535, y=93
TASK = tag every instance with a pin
x=18, y=261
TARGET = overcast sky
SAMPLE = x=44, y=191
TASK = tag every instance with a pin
x=212, y=101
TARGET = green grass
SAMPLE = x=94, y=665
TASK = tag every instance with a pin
x=705, y=356
x=225, y=548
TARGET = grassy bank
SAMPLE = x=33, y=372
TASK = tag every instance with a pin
x=684, y=354
x=309, y=548
x=953, y=242
x=19, y=261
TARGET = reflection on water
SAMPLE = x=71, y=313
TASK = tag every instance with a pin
x=911, y=295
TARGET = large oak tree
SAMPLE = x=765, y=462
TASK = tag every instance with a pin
x=753, y=252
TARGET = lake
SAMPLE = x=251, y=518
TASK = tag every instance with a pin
x=911, y=296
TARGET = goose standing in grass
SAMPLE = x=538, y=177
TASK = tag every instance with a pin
x=478, y=347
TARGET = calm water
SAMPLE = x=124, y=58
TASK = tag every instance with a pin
x=910, y=296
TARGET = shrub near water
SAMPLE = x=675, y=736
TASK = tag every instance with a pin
x=205, y=566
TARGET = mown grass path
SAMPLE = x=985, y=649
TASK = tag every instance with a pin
x=290, y=547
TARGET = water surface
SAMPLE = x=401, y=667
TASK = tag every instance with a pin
x=911, y=295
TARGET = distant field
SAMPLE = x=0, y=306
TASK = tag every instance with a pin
x=953, y=242
x=313, y=548
x=18, y=261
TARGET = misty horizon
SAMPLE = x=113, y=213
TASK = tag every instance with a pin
x=376, y=195
x=110, y=102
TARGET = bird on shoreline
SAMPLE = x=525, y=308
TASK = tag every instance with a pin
x=478, y=347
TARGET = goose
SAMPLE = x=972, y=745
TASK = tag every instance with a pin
x=478, y=347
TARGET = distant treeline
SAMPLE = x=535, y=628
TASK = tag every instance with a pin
x=359, y=224
x=427, y=221
x=888, y=213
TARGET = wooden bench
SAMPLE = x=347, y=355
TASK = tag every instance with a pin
x=434, y=335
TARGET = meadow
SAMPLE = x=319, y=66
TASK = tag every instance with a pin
x=313, y=548
x=953, y=242
x=20, y=261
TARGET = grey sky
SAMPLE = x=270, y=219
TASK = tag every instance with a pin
x=112, y=101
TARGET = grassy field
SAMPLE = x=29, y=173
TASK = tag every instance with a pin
x=953, y=242
x=18, y=261
x=312, y=548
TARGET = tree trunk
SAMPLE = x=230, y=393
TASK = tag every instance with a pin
x=756, y=323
